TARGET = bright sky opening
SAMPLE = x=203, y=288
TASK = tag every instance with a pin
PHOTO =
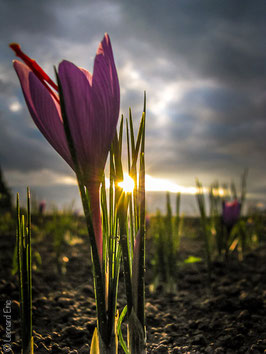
x=15, y=106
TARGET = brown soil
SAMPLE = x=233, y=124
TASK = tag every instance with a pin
x=227, y=316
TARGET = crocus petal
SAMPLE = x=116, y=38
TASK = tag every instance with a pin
x=23, y=74
x=92, y=106
x=106, y=93
x=77, y=93
x=44, y=110
x=87, y=74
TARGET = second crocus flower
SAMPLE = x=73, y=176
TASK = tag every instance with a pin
x=231, y=213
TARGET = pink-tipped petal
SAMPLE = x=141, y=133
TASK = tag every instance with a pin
x=87, y=74
x=48, y=118
x=106, y=92
x=23, y=74
x=43, y=109
x=105, y=81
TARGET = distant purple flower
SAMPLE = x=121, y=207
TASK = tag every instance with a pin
x=42, y=206
x=92, y=106
x=148, y=222
x=231, y=212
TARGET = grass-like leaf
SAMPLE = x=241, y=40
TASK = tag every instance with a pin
x=119, y=330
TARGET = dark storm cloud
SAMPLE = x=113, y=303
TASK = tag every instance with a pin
x=30, y=17
x=221, y=39
x=208, y=56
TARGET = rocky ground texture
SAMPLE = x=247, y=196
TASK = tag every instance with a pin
x=226, y=316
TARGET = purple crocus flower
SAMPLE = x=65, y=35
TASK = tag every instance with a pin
x=92, y=106
x=42, y=206
x=231, y=213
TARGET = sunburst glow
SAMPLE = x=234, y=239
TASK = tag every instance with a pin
x=127, y=184
x=152, y=184
x=219, y=192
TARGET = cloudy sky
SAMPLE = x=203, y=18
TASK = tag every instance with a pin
x=202, y=63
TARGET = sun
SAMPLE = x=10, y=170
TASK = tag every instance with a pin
x=127, y=184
